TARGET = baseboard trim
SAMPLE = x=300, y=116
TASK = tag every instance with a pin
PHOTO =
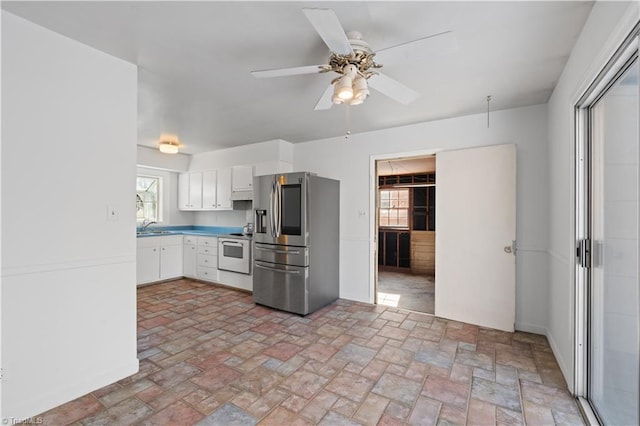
x=563, y=366
x=531, y=328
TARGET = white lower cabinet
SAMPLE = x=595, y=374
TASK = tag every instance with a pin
x=207, y=259
x=158, y=258
x=189, y=256
x=163, y=258
x=147, y=264
x=171, y=260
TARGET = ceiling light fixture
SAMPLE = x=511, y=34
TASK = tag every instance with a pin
x=351, y=88
x=169, y=144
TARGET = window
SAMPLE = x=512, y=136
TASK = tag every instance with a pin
x=148, y=190
x=394, y=208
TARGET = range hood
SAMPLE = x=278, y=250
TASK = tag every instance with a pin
x=241, y=195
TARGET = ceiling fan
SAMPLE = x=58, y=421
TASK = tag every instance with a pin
x=353, y=60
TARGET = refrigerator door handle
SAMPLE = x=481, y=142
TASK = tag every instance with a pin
x=277, y=251
x=284, y=271
x=278, y=208
x=272, y=222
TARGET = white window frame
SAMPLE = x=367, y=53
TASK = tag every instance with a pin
x=408, y=208
x=163, y=192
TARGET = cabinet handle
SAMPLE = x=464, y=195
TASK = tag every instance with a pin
x=162, y=248
x=154, y=250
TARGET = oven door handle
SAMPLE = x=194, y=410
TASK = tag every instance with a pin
x=285, y=271
x=231, y=243
x=278, y=251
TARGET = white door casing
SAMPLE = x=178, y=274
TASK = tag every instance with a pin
x=475, y=230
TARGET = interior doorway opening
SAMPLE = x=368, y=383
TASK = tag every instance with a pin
x=405, y=227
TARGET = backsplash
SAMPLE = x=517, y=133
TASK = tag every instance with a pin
x=223, y=218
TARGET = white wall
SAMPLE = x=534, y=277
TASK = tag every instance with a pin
x=265, y=156
x=349, y=161
x=606, y=27
x=68, y=274
x=153, y=158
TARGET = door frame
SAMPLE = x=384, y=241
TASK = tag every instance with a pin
x=611, y=67
x=373, y=211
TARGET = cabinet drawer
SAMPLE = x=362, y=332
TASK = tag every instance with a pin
x=208, y=241
x=209, y=251
x=189, y=239
x=173, y=240
x=148, y=242
x=209, y=274
x=208, y=261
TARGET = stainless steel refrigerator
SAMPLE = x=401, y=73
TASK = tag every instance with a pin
x=296, y=241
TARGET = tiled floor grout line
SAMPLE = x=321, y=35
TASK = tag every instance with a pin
x=519, y=383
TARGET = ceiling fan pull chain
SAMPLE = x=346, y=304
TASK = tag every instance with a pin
x=488, y=100
x=347, y=122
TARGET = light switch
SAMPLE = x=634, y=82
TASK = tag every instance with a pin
x=112, y=213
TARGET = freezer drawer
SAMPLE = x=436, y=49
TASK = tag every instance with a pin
x=281, y=286
x=284, y=255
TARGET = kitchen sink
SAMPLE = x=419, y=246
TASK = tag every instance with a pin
x=153, y=232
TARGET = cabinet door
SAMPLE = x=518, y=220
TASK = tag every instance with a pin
x=189, y=257
x=170, y=261
x=209, y=190
x=195, y=190
x=242, y=178
x=224, y=189
x=183, y=191
x=147, y=264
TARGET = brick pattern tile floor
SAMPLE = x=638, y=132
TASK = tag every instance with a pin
x=209, y=356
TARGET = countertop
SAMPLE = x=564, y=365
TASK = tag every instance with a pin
x=202, y=231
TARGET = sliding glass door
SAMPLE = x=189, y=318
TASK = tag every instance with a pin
x=611, y=250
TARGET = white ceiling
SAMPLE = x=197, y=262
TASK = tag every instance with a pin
x=195, y=60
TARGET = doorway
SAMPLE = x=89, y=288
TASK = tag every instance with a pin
x=405, y=208
x=607, y=226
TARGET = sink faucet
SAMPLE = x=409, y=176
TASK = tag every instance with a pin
x=146, y=223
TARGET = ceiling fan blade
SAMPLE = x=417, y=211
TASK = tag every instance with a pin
x=325, y=101
x=283, y=72
x=326, y=23
x=393, y=89
x=418, y=50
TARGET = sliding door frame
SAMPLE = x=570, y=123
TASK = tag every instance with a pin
x=614, y=68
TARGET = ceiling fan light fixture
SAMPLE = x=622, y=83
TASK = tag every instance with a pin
x=343, y=88
x=360, y=89
x=336, y=99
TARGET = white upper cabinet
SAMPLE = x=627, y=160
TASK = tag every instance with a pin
x=209, y=190
x=242, y=178
x=242, y=183
x=190, y=191
x=224, y=189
